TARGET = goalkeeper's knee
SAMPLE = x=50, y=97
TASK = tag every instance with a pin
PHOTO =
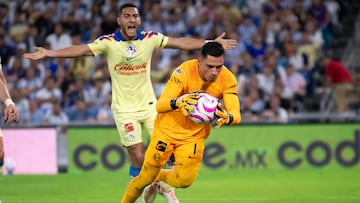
x=184, y=180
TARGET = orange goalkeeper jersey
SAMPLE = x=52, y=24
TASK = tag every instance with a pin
x=186, y=79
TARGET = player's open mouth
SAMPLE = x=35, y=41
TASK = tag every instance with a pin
x=132, y=28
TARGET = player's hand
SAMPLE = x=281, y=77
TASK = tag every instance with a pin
x=223, y=117
x=226, y=43
x=185, y=102
x=11, y=114
x=39, y=53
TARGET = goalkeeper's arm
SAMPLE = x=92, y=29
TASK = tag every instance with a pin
x=230, y=114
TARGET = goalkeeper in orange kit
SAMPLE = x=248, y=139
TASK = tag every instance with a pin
x=175, y=133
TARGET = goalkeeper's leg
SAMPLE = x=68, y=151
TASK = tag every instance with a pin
x=150, y=191
x=167, y=157
x=164, y=189
x=188, y=162
x=138, y=183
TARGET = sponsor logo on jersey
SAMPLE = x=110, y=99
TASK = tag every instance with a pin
x=129, y=127
x=161, y=146
x=129, y=69
x=178, y=71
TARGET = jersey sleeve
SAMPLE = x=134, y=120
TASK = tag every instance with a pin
x=232, y=106
x=173, y=89
x=161, y=41
x=98, y=46
x=230, y=84
x=230, y=96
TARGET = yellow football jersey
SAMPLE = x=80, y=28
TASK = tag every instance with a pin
x=129, y=66
x=186, y=79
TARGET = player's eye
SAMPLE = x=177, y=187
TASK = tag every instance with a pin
x=211, y=66
x=128, y=15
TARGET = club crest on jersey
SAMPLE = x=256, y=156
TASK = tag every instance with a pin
x=131, y=137
x=131, y=51
x=178, y=71
x=156, y=156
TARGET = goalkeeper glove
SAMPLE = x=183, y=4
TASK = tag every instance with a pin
x=185, y=102
x=223, y=117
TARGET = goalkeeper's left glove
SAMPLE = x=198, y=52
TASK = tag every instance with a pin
x=185, y=102
x=223, y=117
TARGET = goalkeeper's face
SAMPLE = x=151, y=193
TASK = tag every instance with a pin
x=210, y=67
x=129, y=21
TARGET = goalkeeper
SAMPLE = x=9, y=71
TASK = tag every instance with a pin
x=174, y=132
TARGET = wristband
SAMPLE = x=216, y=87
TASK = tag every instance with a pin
x=173, y=104
x=230, y=119
x=206, y=41
x=9, y=102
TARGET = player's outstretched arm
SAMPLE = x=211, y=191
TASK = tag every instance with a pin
x=188, y=43
x=11, y=113
x=69, y=52
x=226, y=43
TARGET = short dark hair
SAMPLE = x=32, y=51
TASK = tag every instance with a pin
x=126, y=5
x=213, y=49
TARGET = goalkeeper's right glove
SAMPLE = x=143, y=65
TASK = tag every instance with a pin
x=185, y=102
x=223, y=117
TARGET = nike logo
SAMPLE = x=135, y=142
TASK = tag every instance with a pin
x=192, y=157
x=129, y=58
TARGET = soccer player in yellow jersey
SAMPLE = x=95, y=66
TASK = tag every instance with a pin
x=174, y=132
x=11, y=113
x=128, y=53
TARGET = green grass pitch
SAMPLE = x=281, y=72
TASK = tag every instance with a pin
x=288, y=186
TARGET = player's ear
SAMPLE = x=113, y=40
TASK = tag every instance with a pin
x=118, y=20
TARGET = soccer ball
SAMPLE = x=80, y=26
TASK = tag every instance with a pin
x=204, y=110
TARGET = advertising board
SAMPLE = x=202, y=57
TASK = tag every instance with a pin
x=243, y=147
x=30, y=151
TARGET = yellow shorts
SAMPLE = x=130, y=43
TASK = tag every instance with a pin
x=188, y=156
x=130, y=125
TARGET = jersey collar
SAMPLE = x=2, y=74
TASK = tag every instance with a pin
x=119, y=37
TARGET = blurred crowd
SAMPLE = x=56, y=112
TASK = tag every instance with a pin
x=280, y=42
